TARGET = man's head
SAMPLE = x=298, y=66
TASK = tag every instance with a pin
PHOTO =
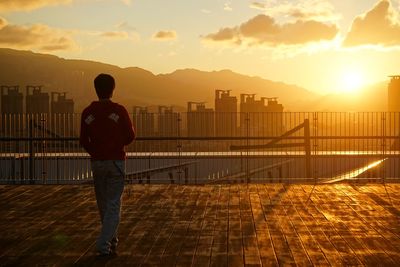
x=104, y=85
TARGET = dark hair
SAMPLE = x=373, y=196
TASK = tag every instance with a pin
x=104, y=85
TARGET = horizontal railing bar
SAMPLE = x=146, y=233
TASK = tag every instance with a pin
x=319, y=137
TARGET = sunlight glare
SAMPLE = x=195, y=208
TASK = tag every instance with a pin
x=352, y=81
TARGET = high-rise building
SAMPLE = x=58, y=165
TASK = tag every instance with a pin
x=394, y=108
x=62, y=114
x=11, y=111
x=168, y=122
x=394, y=93
x=251, y=111
x=258, y=118
x=60, y=104
x=11, y=100
x=225, y=113
x=273, y=117
x=200, y=120
x=37, y=102
x=143, y=121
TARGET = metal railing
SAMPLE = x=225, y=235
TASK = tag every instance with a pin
x=211, y=148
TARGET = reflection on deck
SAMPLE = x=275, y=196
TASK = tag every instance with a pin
x=213, y=225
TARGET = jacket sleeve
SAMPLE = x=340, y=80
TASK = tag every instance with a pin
x=84, y=139
x=127, y=128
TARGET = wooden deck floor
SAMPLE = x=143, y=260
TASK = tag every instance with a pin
x=214, y=225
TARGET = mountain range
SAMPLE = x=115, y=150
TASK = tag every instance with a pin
x=137, y=86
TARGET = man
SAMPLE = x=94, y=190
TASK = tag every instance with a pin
x=105, y=130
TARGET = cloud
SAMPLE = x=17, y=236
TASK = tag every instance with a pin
x=206, y=11
x=116, y=35
x=224, y=34
x=164, y=36
x=263, y=30
x=258, y=5
x=227, y=6
x=320, y=10
x=379, y=26
x=36, y=37
x=18, y=5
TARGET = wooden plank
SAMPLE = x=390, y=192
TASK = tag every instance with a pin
x=218, y=225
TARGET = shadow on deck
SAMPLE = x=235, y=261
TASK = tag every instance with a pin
x=213, y=225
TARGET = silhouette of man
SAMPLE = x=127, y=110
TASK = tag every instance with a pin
x=105, y=130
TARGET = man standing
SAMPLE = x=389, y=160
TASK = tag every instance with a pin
x=105, y=130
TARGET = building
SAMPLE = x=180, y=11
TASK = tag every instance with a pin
x=60, y=104
x=37, y=102
x=394, y=108
x=200, y=120
x=62, y=115
x=258, y=118
x=11, y=100
x=273, y=117
x=251, y=113
x=11, y=111
x=143, y=121
x=394, y=94
x=168, y=122
x=225, y=113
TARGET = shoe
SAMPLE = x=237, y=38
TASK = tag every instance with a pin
x=100, y=255
x=113, y=249
x=106, y=256
x=113, y=246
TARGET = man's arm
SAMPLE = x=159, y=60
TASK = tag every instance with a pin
x=84, y=139
x=127, y=128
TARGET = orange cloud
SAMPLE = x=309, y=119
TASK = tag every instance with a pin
x=224, y=34
x=164, y=36
x=36, y=37
x=263, y=30
x=379, y=26
x=17, y=5
x=115, y=35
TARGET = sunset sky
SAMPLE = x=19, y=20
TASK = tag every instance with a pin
x=322, y=45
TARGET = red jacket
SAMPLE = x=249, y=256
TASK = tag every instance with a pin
x=105, y=130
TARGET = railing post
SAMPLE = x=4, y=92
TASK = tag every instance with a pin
x=247, y=144
x=31, y=153
x=383, y=133
x=179, y=146
x=307, y=146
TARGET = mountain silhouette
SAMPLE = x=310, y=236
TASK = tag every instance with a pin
x=136, y=86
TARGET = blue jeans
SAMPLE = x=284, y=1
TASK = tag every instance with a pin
x=108, y=176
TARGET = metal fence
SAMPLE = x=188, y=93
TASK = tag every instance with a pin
x=209, y=147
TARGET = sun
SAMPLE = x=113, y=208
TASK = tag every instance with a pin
x=351, y=81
